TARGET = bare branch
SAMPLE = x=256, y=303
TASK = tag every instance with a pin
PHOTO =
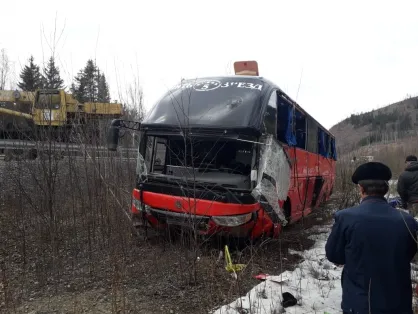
x=4, y=69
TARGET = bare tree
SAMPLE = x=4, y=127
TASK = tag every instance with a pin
x=4, y=69
x=131, y=96
x=134, y=100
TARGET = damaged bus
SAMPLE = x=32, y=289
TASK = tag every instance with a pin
x=231, y=155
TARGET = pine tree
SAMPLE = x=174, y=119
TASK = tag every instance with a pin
x=52, y=76
x=102, y=89
x=90, y=85
x=85, y=86
x=31, y=77
x=78, y=88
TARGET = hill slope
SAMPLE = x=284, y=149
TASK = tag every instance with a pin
x=396, y=123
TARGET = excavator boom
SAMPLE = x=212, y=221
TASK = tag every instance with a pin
x=16, y=113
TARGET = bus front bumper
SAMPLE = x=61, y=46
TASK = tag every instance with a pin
x=235, y=225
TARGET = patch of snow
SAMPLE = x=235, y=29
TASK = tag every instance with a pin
x=315, y=283
x=392, y=189
x=393, y=182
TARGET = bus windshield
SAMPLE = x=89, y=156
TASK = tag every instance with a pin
x=214, y=161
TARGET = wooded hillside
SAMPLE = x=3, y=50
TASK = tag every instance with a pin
x=393, y=123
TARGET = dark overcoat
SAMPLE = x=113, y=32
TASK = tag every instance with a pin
x=376, y=243
x=408, y=184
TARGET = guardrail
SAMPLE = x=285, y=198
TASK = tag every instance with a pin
x=30, y=150
x=21, y=144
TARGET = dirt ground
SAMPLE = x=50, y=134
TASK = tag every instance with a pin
x=153, y=276
x=74, y=252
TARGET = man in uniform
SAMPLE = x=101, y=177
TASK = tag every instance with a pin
x=376, y=243
x=408, y=185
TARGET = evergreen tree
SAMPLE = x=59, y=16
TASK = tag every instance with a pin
x=102, y=88
x=52, y=76
x=78, y=88
x=90, y=85
x=85, y=86
x=31, y=77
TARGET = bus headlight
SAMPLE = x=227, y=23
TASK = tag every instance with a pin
x=232, y=221
x=137, y=204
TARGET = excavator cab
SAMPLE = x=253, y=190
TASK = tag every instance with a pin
x=49, y=107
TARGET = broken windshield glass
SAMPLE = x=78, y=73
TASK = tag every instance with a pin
x=273, y=176
x=215, y=161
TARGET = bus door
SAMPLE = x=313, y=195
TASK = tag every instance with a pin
x=317, y=188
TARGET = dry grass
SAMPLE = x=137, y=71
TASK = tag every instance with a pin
x=68, y=246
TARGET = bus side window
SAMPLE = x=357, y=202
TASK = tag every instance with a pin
x=300, y=129
x=270, y=118
x=149, y=142
x=155, y=155
x=312, y=145
x=333, y=149
x=323, y=143
x=160, y=155
x=285, y=122
x=328, y=145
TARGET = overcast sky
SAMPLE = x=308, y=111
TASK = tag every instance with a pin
x=349, y=57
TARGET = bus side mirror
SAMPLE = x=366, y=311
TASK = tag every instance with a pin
x=113, y=135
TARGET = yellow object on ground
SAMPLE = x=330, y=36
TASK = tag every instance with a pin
x=229, y=266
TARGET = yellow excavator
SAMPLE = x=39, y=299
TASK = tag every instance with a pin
x=27, y=113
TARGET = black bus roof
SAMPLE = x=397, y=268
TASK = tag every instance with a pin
x=238, y=103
